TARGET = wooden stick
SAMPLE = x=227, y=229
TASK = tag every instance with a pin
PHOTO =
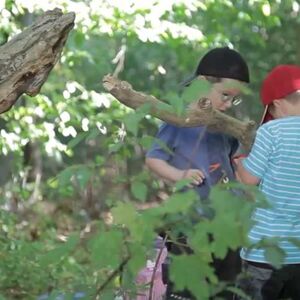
x=200, y=113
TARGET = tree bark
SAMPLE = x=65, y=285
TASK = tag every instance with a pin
x=200, y=113
x=27, y=59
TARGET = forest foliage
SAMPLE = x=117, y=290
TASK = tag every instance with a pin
x=73, y=186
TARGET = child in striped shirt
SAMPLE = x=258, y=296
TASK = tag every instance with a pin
x=274, y=164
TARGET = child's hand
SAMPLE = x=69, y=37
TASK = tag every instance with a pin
x=238, y=158
x=195, y=175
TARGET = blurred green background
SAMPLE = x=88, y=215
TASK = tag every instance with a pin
x=154, y=45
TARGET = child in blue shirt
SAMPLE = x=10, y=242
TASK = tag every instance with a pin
x=274, y=164
x=198, y=154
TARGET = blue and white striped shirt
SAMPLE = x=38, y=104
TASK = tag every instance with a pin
x=275, y=159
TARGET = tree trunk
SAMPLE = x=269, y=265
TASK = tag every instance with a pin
x=27, y=59
x=201, y=113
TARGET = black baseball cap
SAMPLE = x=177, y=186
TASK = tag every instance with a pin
x=221, y=63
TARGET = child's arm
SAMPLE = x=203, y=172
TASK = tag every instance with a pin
x=243, y=175
x=168, y=172
x=252, y=169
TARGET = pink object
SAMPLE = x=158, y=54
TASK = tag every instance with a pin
x=145, y=275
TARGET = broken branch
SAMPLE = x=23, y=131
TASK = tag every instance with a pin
x=200, y=113
x=27, y=59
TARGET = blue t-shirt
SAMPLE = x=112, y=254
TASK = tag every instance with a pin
x=275, y=159
x=196, y=148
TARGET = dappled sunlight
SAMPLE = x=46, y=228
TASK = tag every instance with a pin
x=11, y=139
x=85, y=124
x=101, y=128
x=149, y=24
x=65, y=117
x=69, y=131
x=100, y=100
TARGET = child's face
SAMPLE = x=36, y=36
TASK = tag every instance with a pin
x=224, y=94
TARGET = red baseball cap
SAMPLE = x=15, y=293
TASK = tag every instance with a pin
x=282, y=81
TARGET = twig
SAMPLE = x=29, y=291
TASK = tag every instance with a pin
x=112, y=276
x=155, y=268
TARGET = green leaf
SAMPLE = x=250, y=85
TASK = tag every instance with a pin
x=79, y=38
x=83, y=174
x=93, y=134
x=106, y=249
x=139, y=190
x=107, y=295
x=190, y=272
x=144, y=109
x=275, y=255
x=163, y=145
x=146, y=141
x=131, y=122
x=138, y=258
x=177, y=103
x=196, y=90
x=65, y=176
x=179, y=202
x=199, y=240
x=75, y=141
x=53, y=182
x=124, y=213
x=295, y=241
x=140, y=230
x=55, y=255
x=113, y=148
x=232, y=220
x=179, y=185
x=165, y=107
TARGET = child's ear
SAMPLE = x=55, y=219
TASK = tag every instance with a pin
x=277, y=103
x=280, y=107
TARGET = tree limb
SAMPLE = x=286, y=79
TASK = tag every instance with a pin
x=201, y=113
x=27, y=59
